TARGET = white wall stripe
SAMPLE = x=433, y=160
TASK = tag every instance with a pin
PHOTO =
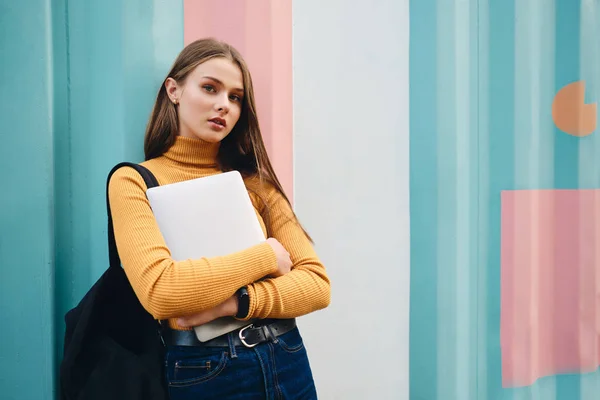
x=351, y=174
x=465, y=312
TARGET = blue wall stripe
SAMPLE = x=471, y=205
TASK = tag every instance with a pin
x=26, y=217
x=77, y=91
x=483, y=171
x=524, y=52
x=500, y=166
x=567, y=71
x=424, y=191
x=589, y=71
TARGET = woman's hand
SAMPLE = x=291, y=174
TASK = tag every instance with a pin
x=284, y=263
x=228, y=308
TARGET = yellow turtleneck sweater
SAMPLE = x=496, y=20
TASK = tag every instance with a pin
x=170, y=289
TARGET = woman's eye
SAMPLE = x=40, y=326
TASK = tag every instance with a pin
x=235, y=97
x=209, y=88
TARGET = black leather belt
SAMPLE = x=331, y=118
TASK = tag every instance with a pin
x=248, y=336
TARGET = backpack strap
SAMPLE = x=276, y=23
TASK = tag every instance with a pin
x=150, y=180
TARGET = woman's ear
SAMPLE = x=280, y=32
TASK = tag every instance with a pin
x=173, y=90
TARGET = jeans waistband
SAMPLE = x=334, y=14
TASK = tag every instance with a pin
x=248, y=336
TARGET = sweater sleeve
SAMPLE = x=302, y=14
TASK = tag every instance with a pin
x=306, y=287
x=168, y=288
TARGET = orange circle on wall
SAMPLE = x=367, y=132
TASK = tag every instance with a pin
x=570, y=113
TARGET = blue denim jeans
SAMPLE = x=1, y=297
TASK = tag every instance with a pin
x=272, y=370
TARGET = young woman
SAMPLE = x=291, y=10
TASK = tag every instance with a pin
x=204, y=122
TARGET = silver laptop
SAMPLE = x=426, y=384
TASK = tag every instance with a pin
x=207, y=217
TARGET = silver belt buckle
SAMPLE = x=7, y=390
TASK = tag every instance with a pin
x=242, y=337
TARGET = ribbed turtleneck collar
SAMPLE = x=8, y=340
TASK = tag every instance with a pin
x=193, y=152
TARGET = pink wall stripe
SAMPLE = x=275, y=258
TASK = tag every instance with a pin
x=550, y=304
x=262, y=31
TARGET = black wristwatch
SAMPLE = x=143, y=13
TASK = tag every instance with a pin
x=243, y=303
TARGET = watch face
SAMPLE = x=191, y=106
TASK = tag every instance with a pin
x=243, y=303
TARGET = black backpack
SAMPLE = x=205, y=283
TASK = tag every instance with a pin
x=113, y=347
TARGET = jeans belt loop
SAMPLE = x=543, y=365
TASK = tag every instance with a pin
x=269, y=334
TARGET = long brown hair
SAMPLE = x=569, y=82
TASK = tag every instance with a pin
x=243, y=149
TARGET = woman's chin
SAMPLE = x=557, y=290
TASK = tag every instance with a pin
x=210, y=137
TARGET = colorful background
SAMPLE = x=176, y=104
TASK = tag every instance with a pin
x=486, y=72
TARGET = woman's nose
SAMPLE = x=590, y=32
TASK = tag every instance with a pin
x=223, y=104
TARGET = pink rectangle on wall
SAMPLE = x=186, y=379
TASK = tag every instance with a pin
x=262, y=31
x=550, y=284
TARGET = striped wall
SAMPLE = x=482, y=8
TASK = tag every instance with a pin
x=484, y=75
x=444, y=200
x=77, y=90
